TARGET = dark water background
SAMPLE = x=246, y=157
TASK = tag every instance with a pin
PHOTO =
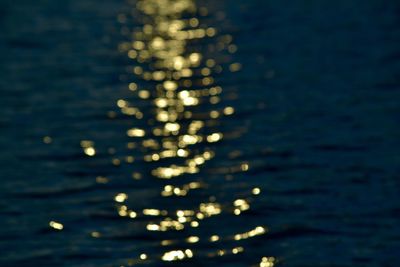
x=318, y=100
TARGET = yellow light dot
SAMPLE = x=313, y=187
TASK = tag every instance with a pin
x=135, y=132
x=207, y=81
x=182, y=153
x=133, y=86
x=153, y=227
x=158, y=75
x=210, y=63
x=170, y=85
x=189, y=253
x=237, y=250
x=151, y=212
x=90, y=151
x=136, y=176
x=229, y=111
x=244, y=167
x=155, y=157
x=215, y=137
x=210, y=32
x=232, y=48
x=215, y=100
x=139, y=45
x=158, y=43
x=137, y=70
x=166, y=242
x=95, y=234
x=186, y=73
x=200, y=216
x=172, y=127
x=256, y=191
x=193, y=239
x=130, y=159
x=205, y=71
x=235, y=67
x=194, y=224
x=101, y=180
x=121, y=197
x=121, y=103
x=47, y=140
x=132, y=54
x=214, y=114
x=56, y=225
x=144, y=94
x=214, y=238
x=194, y=22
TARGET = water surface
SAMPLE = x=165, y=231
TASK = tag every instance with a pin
x=287, y=151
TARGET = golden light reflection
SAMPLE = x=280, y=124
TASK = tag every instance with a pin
x=121, y=197
x=259, y=230
x=170, y=190
x=56, y=225
x=102, y=180
x=88, y=147
x=267, y=262
x=176, y=255
x=175, y=107
x=237, y=250
x=135, y=132
x=214, y=238
x=256, y=191
x=47, y=140
x=193, y=239
x=95, y=234
x=153, y=212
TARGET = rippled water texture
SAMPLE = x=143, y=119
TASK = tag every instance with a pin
x=203, y=133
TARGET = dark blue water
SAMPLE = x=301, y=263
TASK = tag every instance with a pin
x=315, y=129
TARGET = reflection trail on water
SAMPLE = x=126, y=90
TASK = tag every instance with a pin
x=320, y=152
x=194, y=201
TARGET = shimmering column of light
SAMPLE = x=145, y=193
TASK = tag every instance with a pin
x=173, y=74
x=181, y=79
